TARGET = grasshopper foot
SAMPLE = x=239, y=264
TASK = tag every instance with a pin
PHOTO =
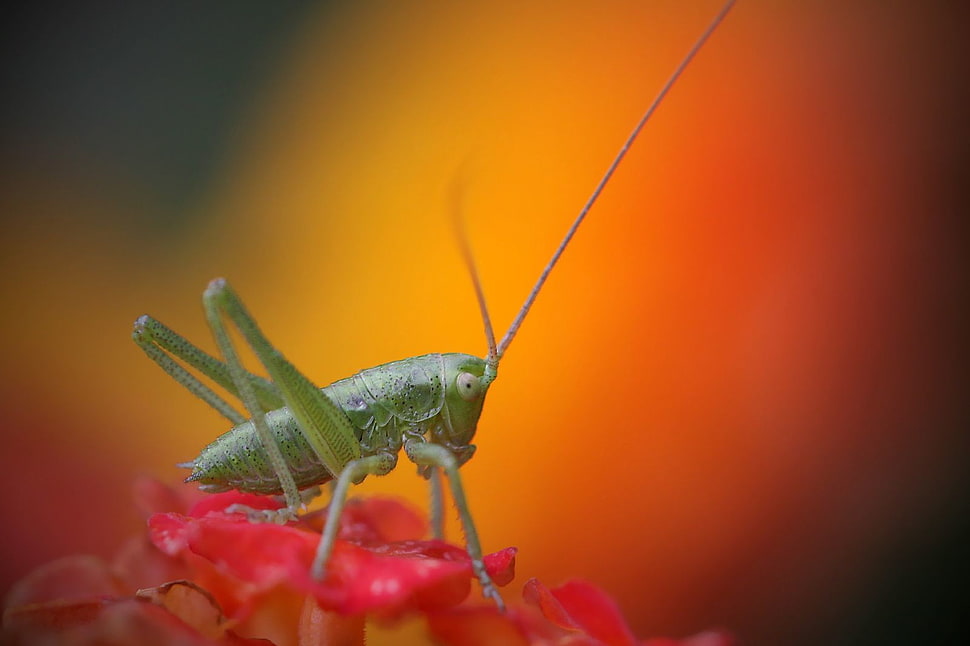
x=318, y=572
x=489, y=591
x=279, y=516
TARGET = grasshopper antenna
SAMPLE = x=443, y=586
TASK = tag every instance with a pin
x=491, y=361
x=507, y=339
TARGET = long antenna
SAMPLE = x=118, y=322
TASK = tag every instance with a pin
x=507, y=339
x=491, y=361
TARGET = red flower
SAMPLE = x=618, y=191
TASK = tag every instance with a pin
x=204, y=577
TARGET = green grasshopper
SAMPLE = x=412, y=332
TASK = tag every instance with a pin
x=299, y=436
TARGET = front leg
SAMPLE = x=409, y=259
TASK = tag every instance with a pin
x=355, y=471
x=437, y=504
x=434, y=455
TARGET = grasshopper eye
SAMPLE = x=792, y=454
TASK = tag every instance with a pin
x=469, y=387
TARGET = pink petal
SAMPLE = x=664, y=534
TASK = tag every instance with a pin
x=706, y=638
x=318, y=627
x=219, y=502
x=67, y=579
x=139, y=564
x=479, y=626
x=151, y=496
x=190, y=603
x=109, y=621
x=51, y=617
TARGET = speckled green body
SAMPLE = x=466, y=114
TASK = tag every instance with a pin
x=415, y=396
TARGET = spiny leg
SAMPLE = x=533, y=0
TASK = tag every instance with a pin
x=355, y=471
x=435, y=455
x=161, y=343
x=437, y=504
x=325, y=427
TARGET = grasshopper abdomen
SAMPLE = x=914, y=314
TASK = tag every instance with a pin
x=237, y=460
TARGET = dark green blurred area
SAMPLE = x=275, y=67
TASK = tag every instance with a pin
x=143, y=95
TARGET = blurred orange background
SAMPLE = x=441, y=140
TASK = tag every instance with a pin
x=740, y=400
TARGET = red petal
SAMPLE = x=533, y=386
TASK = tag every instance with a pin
x=579, y=605
x=501, y=565
x=367, y=520
x=169, y=533
x=381, y=520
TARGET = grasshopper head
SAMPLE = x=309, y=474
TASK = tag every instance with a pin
x=467, y=379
